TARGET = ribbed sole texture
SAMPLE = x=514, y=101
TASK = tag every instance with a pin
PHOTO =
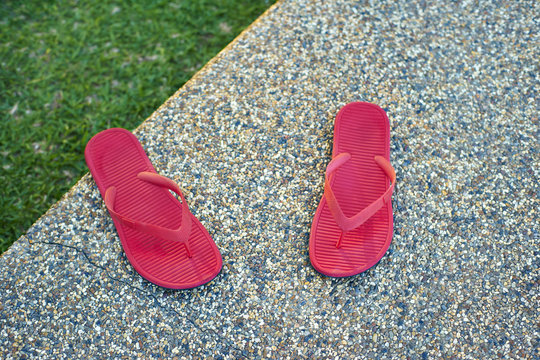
x=115, y=157
x=362, y=130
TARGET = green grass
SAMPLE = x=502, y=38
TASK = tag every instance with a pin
x=70, y=69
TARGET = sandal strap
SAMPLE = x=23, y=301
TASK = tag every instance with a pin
x=181, y=234
x=350, y=223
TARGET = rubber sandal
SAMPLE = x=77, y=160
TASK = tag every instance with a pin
x=162, y=239
x=353, y=224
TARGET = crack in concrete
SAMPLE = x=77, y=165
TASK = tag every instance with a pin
x=149, y=294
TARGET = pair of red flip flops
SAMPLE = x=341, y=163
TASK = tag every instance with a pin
x=168, y=246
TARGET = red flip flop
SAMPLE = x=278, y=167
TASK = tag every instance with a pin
x=162, y=239
x=353, y=225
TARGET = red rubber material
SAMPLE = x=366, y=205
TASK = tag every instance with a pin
x=358, y=184
x=148, y=217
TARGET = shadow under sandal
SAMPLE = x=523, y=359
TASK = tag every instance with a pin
x=353, y=224
x=162, y=239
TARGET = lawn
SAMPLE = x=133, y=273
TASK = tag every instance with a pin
x=70, y=69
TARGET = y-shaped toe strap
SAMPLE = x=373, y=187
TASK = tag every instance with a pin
x=181, y=234
x=350, y=223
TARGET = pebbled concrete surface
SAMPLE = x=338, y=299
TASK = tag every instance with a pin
x=248, y=139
